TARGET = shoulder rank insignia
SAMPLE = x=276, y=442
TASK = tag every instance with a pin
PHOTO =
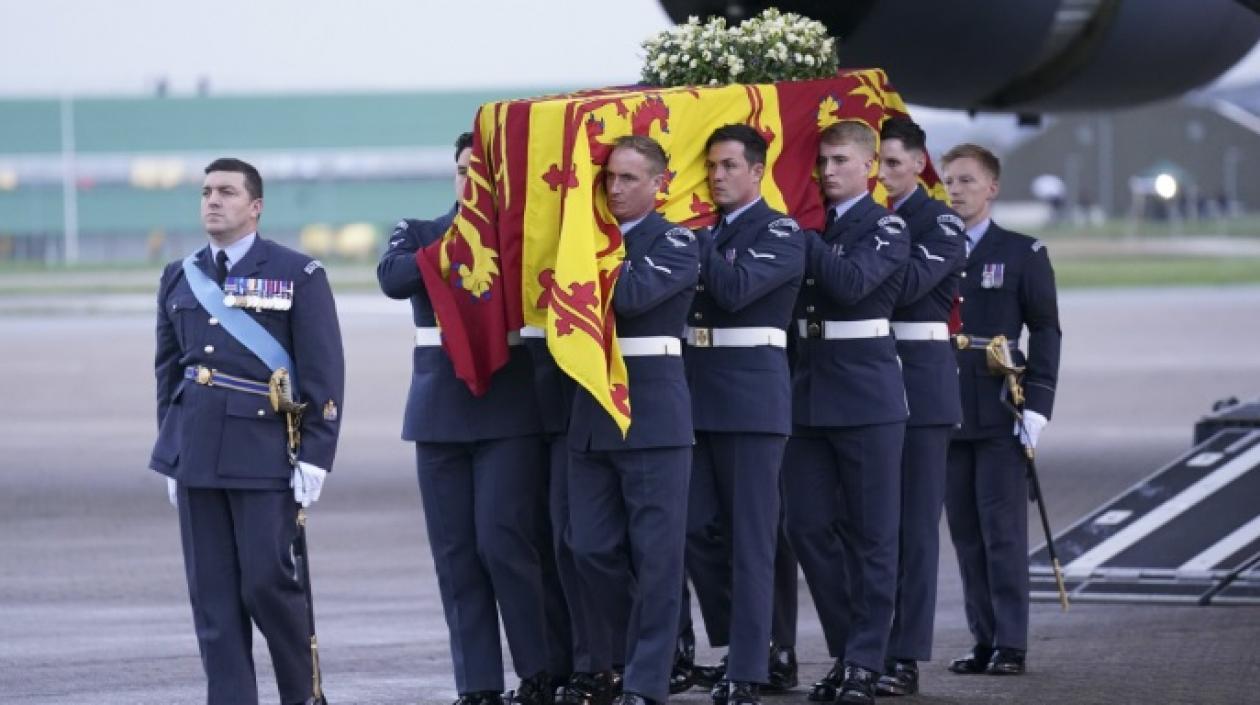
x=680, y=237
x=1037, y=245
x=783, y=227
x=330, y=410
x=312, y=266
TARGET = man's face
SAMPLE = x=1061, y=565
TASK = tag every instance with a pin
x=461, y=171
x=899, y=168
x=843, y=170
x=228, y=211
x=971, y=189
x=733, y=182
x=630, y=185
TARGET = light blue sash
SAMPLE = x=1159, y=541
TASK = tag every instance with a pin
x=237, y=323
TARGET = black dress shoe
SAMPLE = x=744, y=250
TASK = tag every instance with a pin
x=720, y=691
x=900, y=678
x=824, y=690
x=480, y=697
x=1006, y=662
x=858, y=687
x=683, y=675
x=975, y=661
x=586, y=689
x=708, y=676
x=782, y=669
x=633, y=699
x=742, y=693
x=535, y=690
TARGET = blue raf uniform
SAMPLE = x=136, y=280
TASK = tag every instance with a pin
x=842, y=467
x=628, y=496
x=1008, y=286
x=483, y=482
x=920, y=324
x=227, y=449
x=737, y=368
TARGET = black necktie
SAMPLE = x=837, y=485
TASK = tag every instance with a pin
x=831, y=219
x=220, y=268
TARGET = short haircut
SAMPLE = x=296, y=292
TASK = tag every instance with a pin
x=253, y=180
x=902, y=128
x=464, y=141
x=649, y=148
x=849, y=132
x=988, y=160
x=755, y=146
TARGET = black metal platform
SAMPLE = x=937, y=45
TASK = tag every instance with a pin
x=1189, y=533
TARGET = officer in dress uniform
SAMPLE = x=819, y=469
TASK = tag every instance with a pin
x=842, y=472
x=920, y=323
x=222, y=445
x=628, y=495
x=1008, y=286
x=483, y=482
x=751, y=266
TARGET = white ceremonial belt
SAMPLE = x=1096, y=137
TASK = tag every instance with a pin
x=843, y=330
x=431, y=337
x=749, y=337
x=533, y=332
x=646, y=345
x=920, y=330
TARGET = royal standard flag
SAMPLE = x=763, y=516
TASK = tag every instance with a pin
x=534, y=243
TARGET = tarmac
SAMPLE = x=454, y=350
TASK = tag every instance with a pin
x=94, y=608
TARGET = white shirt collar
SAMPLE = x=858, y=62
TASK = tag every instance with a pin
x=630, y=224
x=730, y=217
x=902, y=201
x=977, y=231
x=236, y=251
x=843, y=207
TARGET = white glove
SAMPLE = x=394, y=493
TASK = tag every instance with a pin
x=1033, y=424
x=307, y=482
x=172, y=492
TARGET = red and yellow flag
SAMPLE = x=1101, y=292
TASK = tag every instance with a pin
x=533, y=242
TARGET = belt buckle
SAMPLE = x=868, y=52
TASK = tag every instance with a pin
x=813, y=329
x=204, y=376
x=702, y=337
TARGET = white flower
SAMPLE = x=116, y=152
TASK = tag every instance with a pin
x=673, y=58
x=809, y=60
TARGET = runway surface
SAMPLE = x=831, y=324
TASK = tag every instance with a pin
x=93, y=605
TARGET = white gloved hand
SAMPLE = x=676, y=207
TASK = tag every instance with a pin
x=307, y=482
x=172, y=492
x=1033, y=425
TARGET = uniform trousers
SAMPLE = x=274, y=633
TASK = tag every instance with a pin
x=485, y=507
x=239, y=566
x=735, y=496
x=559, y=575
x=611, y=612
x=986, y=505
x=842, y=487
x=922, y=498
x=627, y=513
